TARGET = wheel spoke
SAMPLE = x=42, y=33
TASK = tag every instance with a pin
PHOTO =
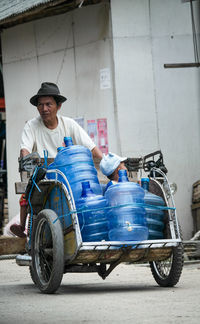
x=43, y=267
x=163, y=267
x=44, y=255
x=45, y=258
x=45, y=262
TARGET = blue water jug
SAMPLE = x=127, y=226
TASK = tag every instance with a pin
x=92, y=215
x=126, y=222
x=76, y=163
x=154, y=216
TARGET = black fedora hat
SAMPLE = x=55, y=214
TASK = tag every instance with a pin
x=47, y=89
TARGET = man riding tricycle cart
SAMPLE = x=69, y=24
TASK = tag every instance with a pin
x=55, y=243
x=71, y=230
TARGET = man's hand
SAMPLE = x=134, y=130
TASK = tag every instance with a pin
x=28, y=162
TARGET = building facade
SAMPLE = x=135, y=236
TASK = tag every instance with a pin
x=108, y=59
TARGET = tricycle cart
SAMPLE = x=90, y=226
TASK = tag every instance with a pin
x=55, y=244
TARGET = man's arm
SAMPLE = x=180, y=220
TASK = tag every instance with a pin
x=27, y=139
x=96, y=153
x=80, y=137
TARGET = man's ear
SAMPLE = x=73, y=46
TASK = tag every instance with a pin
x=59, y=105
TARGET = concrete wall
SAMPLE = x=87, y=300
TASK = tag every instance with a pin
x=70, y=50
x=159, y=108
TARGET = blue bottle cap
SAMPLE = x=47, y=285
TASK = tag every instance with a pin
x=60, y=148
x=86, y=189
x=122, y=176
x=145, y=183
x=85, y=184
x=144, y=179
x=68, y=141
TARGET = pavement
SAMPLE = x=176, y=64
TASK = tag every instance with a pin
x=128, y=295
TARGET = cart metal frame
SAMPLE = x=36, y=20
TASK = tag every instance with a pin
x=165, y=256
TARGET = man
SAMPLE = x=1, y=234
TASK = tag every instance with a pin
x=110, y=165
x=46, y=132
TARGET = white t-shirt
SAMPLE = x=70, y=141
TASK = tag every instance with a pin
x=36, y=137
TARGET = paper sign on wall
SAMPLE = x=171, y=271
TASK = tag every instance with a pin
x=102, y=135
x=92, y=130
x=105, y=81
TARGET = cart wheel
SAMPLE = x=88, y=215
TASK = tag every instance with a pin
x=47, y=252
x=167, y=272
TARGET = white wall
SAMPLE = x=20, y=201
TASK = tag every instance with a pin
x=159, y=108
x=44, y=51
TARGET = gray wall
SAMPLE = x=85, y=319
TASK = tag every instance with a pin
x=70, y=50
x=147, y=107
x=159, y=108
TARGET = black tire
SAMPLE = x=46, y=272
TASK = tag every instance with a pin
x=47, y=252
x=32, y=275
x=167, y=273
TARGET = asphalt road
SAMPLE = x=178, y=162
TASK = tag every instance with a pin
x=128, y=295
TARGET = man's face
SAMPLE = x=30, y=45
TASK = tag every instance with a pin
x=47, y=108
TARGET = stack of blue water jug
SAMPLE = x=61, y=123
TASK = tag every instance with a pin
x=154, y=212
x=126, y=217
x=120, y=215
x=92, y=215
x=76, y=163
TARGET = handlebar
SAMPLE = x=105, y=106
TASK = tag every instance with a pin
x=149, y=161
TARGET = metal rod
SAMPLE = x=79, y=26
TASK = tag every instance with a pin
x=181, y=65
